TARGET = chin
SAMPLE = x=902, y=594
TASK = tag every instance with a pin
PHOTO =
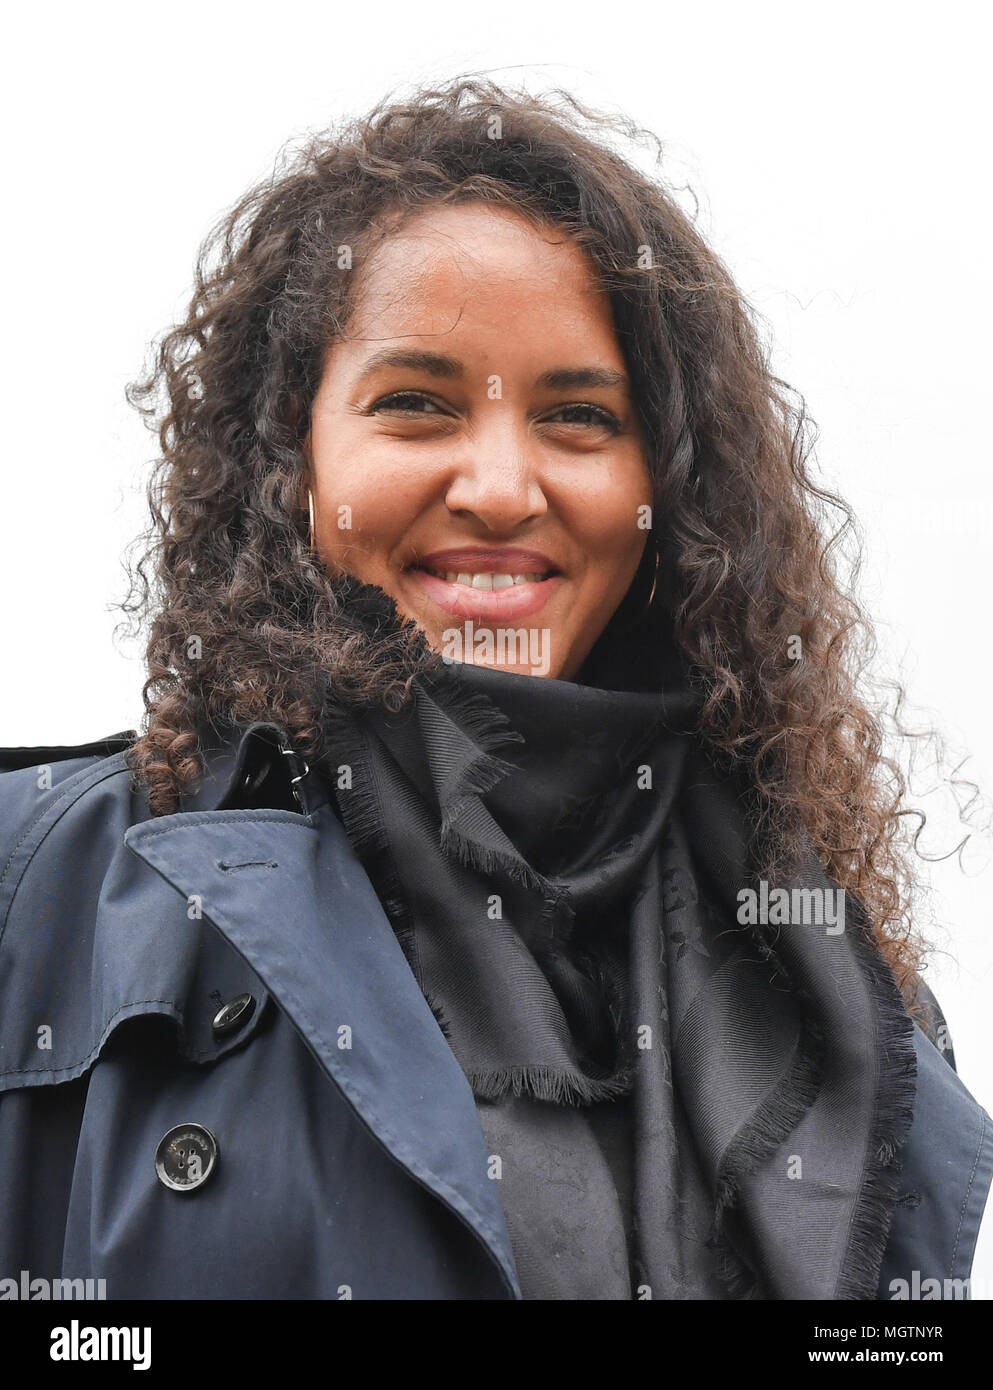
x=521, y=648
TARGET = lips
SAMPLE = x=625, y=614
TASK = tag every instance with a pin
x=487, y=585
x=480, y=561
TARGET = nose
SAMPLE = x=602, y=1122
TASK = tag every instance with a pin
x=497, y=482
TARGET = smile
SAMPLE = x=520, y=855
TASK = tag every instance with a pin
x=485, y=580
x=486, y=596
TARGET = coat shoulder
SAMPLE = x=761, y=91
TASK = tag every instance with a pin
x=47, y=789
x=929, y=1017
x=15, y=759
x=65, y=808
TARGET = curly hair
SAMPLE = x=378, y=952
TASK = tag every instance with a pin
x=242, y=620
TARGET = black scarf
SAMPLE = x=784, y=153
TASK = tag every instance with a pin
x=684, y=1104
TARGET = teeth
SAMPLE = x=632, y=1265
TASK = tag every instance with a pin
x=487, y=580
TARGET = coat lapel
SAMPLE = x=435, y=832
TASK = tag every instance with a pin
x=289, y=894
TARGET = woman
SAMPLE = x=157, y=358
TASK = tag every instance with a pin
x=504, y=898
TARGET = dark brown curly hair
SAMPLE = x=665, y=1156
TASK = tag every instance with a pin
x=751, y=592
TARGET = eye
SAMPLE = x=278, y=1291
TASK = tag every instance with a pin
x=582, y=413
x=406, y=402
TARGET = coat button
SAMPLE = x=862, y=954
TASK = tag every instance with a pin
x=234, y=1014
x=186, y=1157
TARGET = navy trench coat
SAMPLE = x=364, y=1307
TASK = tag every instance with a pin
x=228, y=973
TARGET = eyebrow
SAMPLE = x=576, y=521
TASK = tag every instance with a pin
x=439, y=365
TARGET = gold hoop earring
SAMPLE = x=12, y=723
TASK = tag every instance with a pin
x=655, y=579
x=310, y=509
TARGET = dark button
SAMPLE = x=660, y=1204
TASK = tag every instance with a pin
x=234, y=1014
x=186, y=1157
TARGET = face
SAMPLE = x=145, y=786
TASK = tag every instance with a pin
x=474, y=448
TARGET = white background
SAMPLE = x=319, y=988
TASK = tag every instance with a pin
x=840, y=157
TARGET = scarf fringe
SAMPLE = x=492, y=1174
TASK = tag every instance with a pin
x=769, y=1127
x=890, y=1124
x=489, y=860
x=345, y=738
x=773, y=1122
x=552, y=1084
x=365, y=824
x=557, y=912
x=487, y=726
x=479, y=720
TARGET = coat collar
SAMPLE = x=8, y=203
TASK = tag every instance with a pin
x=253, y=764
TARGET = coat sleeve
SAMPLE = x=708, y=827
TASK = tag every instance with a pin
x=945, y=1180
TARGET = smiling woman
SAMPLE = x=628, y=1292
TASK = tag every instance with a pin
x=506, y=896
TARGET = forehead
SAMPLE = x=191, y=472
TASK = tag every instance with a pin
x=459, y=269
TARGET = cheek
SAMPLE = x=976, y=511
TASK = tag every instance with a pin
x=364, y=499
x=607, y=519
